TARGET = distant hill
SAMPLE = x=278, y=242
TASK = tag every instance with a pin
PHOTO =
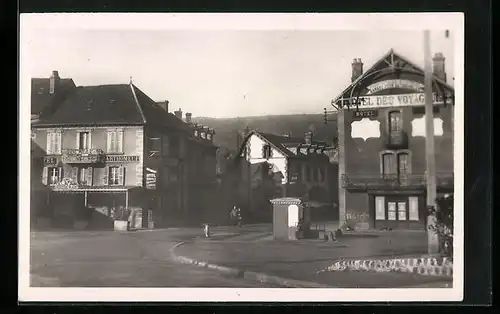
x=297, y=125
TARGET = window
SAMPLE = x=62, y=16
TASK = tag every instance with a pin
x=115, y=176
x=115, y=141
x=403, y=162
x=401, y=210
x=391, y=210
x=165, y=146
x=154, y=145
x=83, y=140
x=174, y=146
x=395, y=122
x=53, y=142
x=379, y=208
x=85, y=176
x=267, y=151
x=413, y=208
x=308, y=173
x=54, y=175
x=388, y=164
x=315, y=175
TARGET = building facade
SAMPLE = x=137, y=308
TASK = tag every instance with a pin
x=382, y=152
x=110, y=146
x=272, y=166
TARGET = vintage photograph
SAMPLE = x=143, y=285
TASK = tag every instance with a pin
x=210, y=151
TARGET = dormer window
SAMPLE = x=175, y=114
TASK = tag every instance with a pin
x=196, y=133
x=267, y=151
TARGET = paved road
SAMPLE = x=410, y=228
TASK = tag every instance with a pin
x=114, y=259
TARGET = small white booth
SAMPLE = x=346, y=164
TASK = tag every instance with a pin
x=287, y=212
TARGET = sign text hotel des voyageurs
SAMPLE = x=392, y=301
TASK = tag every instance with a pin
x=401, y=100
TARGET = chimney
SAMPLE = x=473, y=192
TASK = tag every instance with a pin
x=54, y=81
x=438, y=68
x=163, y=104
x=357, y=69
x=308, y=138
x=178, y=113
x=188, y=117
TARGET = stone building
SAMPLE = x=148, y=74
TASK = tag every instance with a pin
x=382, y=153
x=108, y=146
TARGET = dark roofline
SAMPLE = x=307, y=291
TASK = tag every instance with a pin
x=379, y=61
x=114, y=124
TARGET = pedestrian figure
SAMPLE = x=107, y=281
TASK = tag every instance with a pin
x=234, y=216
x=206, y=230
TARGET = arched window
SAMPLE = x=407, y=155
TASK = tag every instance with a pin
x=388, y=164
x=395, y=122
x=403, y=164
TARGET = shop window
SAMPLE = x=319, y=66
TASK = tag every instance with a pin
x=391, y=210
x=401, y=210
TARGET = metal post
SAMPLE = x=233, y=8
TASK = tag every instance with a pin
x=86, y=198
x=433, y=243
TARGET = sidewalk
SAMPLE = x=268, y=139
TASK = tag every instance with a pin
x=300, y=260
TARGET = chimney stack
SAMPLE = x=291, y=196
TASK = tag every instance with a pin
x=308, y=138
x=188, y=117
x=438, y=68
x=163, y=104
x=54, y=81
x=357, y=69
x=178, y=113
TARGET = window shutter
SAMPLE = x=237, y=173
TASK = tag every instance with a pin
x=61, y=176
x=89, y=140
x=49, y=143
x=90, y=174
x=121, y=176
x=119, y=138
x=74, y=174
x=58, y=142
x=45, y=175
x=105, y=176
x=77, y=145
x=108, y=142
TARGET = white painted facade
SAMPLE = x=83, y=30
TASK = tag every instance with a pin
x=255, y=145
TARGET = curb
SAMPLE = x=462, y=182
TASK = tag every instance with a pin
x=241, y=273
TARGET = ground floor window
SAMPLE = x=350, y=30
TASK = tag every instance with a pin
x=396, y=209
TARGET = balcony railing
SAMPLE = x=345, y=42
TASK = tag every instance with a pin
x=397, y=139
x=83, y=156
x=410, y=181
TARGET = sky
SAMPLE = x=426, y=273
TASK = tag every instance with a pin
x=222, y=72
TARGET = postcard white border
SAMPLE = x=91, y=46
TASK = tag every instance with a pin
x=209, y=21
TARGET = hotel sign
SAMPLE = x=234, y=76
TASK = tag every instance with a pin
x=401, y=100
x=388, y=84
x=365, y=114
x=112, y=158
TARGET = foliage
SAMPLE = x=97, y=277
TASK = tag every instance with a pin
x=444, y=224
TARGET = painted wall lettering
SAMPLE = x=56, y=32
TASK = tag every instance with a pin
x=357, y=216
x=401, y=100
x=388, y=84
x=111, y=158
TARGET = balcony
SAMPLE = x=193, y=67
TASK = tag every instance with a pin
x=411, y=181
x=83, y=156
x=396, y=140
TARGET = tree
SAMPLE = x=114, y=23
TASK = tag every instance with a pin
x=444, y=224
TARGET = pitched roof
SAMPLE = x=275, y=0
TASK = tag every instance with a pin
x=111, y=104
x=388, y=60
x=283, y=143
x=42, y=100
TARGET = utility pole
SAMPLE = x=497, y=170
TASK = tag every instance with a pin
x=433, y=241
